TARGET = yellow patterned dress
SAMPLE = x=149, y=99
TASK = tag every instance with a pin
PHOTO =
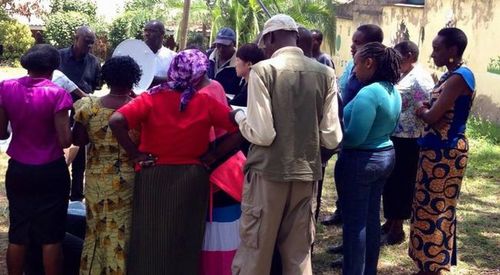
x=109, y=179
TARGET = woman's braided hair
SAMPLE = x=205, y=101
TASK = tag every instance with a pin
x=387, y=60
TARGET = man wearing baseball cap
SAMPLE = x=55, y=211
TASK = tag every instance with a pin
x=223, y=61
x=292, y=111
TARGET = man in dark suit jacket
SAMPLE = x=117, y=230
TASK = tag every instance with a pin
x=84, y=69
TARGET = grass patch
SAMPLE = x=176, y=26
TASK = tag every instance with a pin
x=478, y=212
x=479, y=129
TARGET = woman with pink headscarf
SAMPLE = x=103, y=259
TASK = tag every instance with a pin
x=172, y=184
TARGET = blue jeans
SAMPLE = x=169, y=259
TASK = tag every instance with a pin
x=361, y=176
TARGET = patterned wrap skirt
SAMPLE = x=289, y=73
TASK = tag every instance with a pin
x=168, y=220
x=433, y=222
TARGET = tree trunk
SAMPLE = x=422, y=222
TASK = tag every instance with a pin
x=204, y=33
x=183, y=28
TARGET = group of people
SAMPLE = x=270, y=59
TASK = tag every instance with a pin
x=179, y=182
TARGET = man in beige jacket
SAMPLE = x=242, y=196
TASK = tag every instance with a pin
x=292, y=111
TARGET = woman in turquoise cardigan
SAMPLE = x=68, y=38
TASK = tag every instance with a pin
x=367, y=157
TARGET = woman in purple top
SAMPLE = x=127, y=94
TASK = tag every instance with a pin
x=37, y=178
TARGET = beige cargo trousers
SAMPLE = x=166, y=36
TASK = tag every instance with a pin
x=275, y=213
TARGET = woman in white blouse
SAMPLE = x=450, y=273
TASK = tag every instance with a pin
x=415, y=86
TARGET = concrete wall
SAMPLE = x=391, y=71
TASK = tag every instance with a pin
x=480, y=20
x=345, y=29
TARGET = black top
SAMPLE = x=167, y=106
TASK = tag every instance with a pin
x=85, y=73
x=240, y=99
x=226, y=76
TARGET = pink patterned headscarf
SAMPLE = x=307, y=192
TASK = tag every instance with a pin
x=188, y=69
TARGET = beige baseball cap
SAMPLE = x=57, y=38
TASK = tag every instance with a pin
x=276, y=23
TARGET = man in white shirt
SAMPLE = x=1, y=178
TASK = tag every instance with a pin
x=69, y=86
x=153, y=35
x=64, y=82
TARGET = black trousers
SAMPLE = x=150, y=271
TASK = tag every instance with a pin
x=319, y=193
x=338, y=208
x=77, y=166
x=400, y=187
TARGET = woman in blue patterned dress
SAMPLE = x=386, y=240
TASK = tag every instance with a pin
x=443, y=157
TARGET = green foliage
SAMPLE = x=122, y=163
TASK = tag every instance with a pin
x=119, y=31
x=61, y=26
x=169, y=12
x=244, y=16
x=16, y=39
x=130, y=25
x=247, y=17
x=83, y=6
x=313, y=14
x=57, y=5
x=481, y=129
x=66, y=16
x=143, y=4
x=3, y=15
x=196, y=39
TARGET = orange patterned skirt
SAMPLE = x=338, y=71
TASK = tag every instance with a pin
x=433, y=221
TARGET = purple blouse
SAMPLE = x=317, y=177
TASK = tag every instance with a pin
x=31, y=105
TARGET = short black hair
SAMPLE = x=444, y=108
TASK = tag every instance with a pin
x=41, y=58
x=83, y=30
x=406, y=47
x=319, y=33
x=121, y=71
x=250, y=53
x=454, y=37
x=387, y=60
x=372, y=33
x=305, y=41
x=158, y=24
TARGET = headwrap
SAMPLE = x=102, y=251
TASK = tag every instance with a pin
x=187, y=70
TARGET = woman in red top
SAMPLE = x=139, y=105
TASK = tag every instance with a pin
x=171, y=188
